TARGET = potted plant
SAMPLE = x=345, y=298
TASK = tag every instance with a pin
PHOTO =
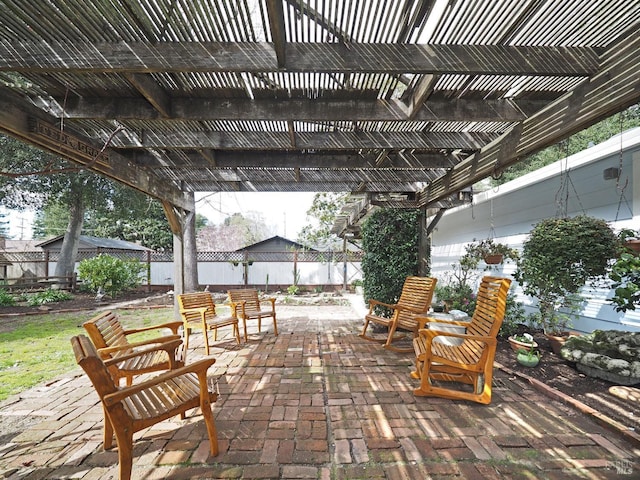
x=489, y=251
x=630, y=240
x=528, y=358
x=522, y=341
x=558, y=258
x=625, y=274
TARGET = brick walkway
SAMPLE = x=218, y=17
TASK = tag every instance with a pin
x=319, y=402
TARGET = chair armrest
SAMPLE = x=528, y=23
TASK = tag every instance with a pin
x=429, y=334
x=173, y=326
x=376, y=303
x=170, y=343
x=270, y=300
x=198, y=368
x=199, y=310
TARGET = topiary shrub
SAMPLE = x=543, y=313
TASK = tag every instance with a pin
x=390, y=242
x=110, y=274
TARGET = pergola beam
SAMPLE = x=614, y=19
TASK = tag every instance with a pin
x=396, y=59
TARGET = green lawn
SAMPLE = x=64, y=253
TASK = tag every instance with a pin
x=38, y=350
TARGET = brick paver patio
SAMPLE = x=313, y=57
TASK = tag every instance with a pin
x=319, y=402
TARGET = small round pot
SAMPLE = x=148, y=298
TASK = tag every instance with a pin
x=528, y=360
x=516, y=345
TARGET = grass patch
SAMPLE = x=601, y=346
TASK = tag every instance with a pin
x=38, y=349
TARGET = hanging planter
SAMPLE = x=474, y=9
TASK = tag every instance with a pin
x=633, y=245
x=494, y=259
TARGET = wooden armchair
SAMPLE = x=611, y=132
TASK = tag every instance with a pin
x=415, y=299
x=110, y=339
x=469, y=362
x=248, y=306
x=133, y=408
x=198, y=310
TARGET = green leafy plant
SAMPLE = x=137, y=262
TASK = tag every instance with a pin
x=625, y=274
x=514, y=316
x=293, y=289
x=6, y=299
x=47, y=296
x=558, y=258
x=390, y=243
x=457, y=296
x=110, y=274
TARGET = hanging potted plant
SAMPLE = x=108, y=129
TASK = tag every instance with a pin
x=489, y=251
x=630, y=240
x=558, y=258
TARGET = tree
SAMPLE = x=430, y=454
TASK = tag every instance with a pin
x=235, y=232
x=324, y=209
x=4, y=226
x=33, y=178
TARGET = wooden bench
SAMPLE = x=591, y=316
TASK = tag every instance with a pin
x=133, y=408
x=198, y=310
x=415, y=299
x=470, y=361
x=110, y=339
x=248, y=306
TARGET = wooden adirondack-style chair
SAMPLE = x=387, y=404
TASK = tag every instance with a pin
x=249, y=306
x=415, y=300
x=469, y=362
x=110, y=339
x=130, y=409
x=198, y=310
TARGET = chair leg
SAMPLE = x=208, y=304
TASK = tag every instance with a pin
x=125, y=454
x=275, y=324
x=107, y=435
x=244, y=324
x=236, y=332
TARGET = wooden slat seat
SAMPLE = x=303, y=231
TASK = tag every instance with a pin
x=199, y=311
x=110, y=339
x=133, y=408
x=471, y=362
x=415, y=299
x=249, y=306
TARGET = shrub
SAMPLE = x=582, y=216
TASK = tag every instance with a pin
x=390, y=243
x=47, y=296
x=110, y=274
x=6, y=299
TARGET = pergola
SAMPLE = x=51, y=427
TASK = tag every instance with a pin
x=406, y=102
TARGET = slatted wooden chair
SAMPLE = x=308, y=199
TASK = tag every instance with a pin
x=470, y=362
x=133, y=408
x=110, y=338
x=415, y=299
x=199, y=310
x=249, y=306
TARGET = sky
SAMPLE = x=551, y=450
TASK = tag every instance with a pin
x=286, y=212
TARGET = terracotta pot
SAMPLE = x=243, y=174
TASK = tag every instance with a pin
x=557, y=340
x=633, y=245
x=493, y=259
x=516, y=345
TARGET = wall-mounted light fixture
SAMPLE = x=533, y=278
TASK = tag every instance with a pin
x=611, y=173
x=465, y=195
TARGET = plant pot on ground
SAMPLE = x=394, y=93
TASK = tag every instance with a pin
x=522, y=342
x=528, y=358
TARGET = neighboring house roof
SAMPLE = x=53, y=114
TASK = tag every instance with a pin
x=94, y=242
x=13, y=246
x=275, y=244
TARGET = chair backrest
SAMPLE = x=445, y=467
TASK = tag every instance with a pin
x=247, y=295
x=417, y=293
x=196, y=300
x=87, y=357
x=491, y=304
x=105, y=330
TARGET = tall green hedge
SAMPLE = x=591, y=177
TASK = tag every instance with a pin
x=390, y=243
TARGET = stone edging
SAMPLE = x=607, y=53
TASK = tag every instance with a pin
x=599, y=417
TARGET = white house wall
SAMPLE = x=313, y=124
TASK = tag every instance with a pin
x=508, y=213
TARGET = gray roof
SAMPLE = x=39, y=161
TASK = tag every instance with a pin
x=95, y=242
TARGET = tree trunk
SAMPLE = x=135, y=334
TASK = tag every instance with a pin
x=69, y=250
